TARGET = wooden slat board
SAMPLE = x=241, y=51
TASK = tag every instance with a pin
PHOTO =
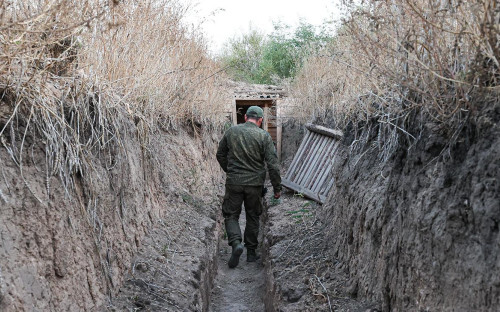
x=310, y=170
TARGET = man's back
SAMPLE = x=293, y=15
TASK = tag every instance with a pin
x=243, y=152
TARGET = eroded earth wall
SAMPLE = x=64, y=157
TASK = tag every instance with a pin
x=420, y=232
x=69, y=248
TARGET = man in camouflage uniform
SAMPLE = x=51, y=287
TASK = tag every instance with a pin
x=243, y=154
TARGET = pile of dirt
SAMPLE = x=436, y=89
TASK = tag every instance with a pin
x=71, y=248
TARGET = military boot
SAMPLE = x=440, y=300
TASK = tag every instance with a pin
x=252, y=255
x=235, y=255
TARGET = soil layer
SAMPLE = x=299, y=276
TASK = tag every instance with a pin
x=69, y=248
x=420, y=231
x=301, y=271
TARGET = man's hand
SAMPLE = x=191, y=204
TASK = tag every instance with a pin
x=277, y=195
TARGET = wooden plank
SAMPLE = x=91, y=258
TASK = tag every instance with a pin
x=266, y=117
x=317, y=188
x=321, y=167
x=326, y=168
x=325, y=174
x=298, y=154
x=312, y=165
x=317, y=139
x=235, y=117
x=279, y=132
x=251, y=102
x=324, y=163
x=299, y=189
x=336, y=134
x=319, y=163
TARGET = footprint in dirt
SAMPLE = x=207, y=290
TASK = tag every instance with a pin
x=241, y=288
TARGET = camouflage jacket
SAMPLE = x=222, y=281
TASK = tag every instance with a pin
x=243, y=154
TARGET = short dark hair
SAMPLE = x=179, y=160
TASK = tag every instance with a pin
x=253, y=117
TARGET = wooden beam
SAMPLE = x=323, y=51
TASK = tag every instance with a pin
x=299, y=189
x=278, y=132
x=336, y=134
x=266, y=118
x=235, y=117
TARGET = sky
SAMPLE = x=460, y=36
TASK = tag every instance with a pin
x=225, y=19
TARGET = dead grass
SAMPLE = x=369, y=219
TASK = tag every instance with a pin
x=391, y=59
x=159, y=66
x=71, y=72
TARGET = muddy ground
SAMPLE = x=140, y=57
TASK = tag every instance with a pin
x=176, y=263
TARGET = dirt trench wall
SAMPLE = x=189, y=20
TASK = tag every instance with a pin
x=71, y=251
x=421, y=232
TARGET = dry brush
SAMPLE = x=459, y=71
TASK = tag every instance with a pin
x=399, y=61
x=70, y=70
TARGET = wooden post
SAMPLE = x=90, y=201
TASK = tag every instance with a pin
x=265, y=120
x=278, y=130
x=235, y=116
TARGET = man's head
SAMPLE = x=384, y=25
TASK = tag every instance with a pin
x=255, y=115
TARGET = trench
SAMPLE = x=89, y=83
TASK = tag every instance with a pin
x=241, y=288
x=172, y=272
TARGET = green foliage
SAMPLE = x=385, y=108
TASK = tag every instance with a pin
x=261, y=59
x=243, y=56
x=300, y=215
x=274, y=201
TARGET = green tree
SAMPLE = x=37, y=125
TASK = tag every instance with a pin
x=259, y=59
x=243, y=56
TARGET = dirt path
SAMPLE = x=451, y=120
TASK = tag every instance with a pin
x=239, y=289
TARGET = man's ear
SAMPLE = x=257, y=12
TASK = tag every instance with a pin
x=245, y=117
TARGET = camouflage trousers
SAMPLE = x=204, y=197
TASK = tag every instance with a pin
x=234, y=197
